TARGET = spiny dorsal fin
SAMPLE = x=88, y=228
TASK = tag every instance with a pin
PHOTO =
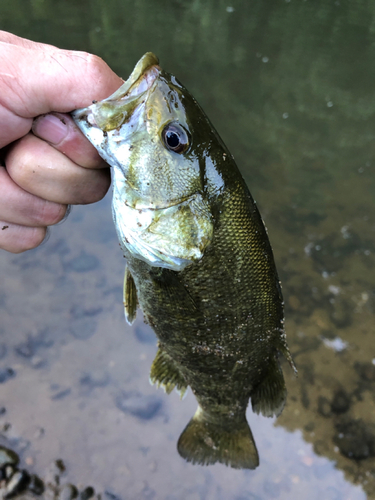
x=130, y=297
x=165, y=373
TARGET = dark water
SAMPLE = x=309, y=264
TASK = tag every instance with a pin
x=290, y=87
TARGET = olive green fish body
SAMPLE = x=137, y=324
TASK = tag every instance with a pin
x=199, y=262
x=221, y=319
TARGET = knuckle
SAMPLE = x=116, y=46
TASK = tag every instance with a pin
x=96, y=67
x=20, y=160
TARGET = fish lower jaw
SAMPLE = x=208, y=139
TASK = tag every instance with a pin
x=132, y=231
x=152, y=256
x=173, y=237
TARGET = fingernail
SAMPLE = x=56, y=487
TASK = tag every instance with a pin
x=51, y=128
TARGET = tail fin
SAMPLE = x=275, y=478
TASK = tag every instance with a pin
x=204, y=442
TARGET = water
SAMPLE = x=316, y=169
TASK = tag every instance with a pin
x=289, y=86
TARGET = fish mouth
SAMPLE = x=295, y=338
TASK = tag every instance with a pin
x=111, y=113
x=173, y=203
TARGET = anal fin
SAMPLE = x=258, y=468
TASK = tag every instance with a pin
x=206, y=442
x=268, y=397
x=129, y=297
x=165, y=373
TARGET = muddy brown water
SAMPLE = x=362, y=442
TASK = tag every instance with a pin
x=289, y=86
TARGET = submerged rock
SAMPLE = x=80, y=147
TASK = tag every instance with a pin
x=324, y=407
x=366, y=371
x=83, y=263
x=138, y=405
x=355, y=439
x=87, y=493
x=36, y=485
x=6, y=374
x=68, y=492
x=18, y=482
x=340, y=402
x=8, y=456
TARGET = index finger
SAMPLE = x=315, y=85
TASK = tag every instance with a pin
x=60, y=131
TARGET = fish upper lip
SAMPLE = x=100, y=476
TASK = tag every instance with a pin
x=142, y=84
x=148, y=65
x=130, y=91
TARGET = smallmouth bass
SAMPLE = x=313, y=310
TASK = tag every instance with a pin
x=199, y=262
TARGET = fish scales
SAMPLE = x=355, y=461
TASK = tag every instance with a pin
x=199, y=261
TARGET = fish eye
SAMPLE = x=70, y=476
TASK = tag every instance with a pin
x=175, y=138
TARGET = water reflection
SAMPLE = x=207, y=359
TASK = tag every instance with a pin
x=86, y=398
x=289, y=86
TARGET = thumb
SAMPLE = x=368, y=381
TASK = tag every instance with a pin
x=40, y=79
x=36, y=79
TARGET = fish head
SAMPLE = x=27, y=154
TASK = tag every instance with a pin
x=155, y=137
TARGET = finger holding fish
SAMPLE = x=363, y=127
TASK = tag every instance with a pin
x=42, y=176
x=59, y=166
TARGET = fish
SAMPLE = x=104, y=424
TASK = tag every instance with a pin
x=199, y=263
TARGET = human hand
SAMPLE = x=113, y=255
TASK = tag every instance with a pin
x=46, y=164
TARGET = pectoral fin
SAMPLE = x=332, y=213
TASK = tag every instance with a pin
x=130, y=297
x=164, y=372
